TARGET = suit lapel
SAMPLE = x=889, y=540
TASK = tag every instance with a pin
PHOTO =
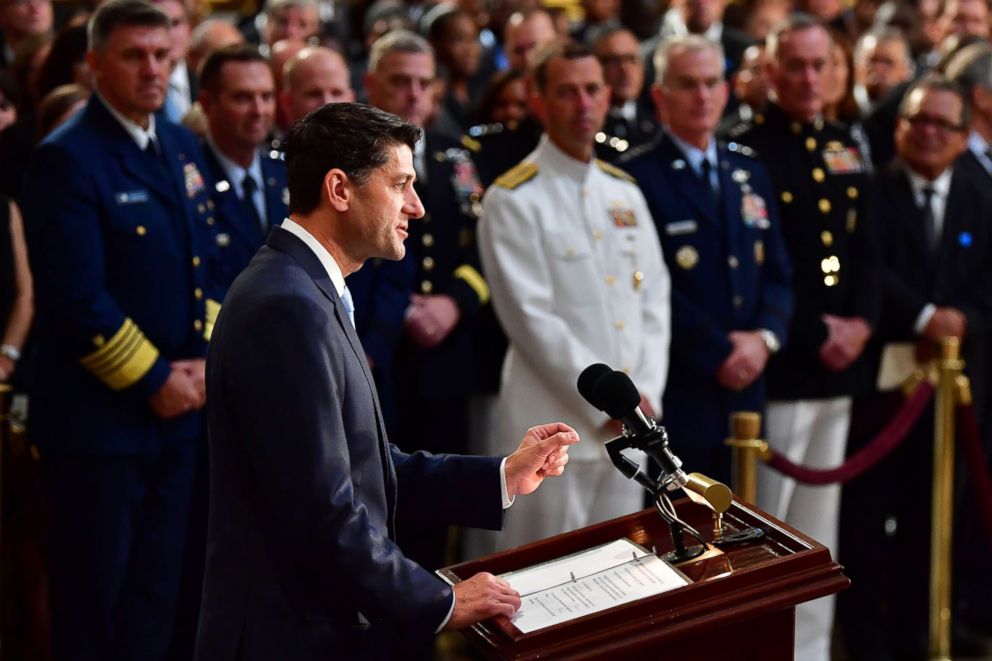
x=231, y=206
x=275, y=204
x=730, y=197
x=284, y=241
x=686, y=182
x=910, y=211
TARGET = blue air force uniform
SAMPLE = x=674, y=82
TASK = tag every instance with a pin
x=723, y=244
x=118, y=242
x=240, y=229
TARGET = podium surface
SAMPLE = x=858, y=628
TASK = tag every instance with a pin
x=739, y=605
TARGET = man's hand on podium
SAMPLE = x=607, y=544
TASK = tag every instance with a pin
x=481, y=597
x=543, y=452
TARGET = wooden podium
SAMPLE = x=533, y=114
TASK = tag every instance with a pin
x=739, y=606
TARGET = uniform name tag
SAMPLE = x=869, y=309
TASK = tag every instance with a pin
x=131, y=197
x=842, y=160
x=681, y=227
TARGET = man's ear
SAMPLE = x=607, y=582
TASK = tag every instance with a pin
x=338, y=190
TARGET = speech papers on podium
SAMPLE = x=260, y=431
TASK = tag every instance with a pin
x=588, y=582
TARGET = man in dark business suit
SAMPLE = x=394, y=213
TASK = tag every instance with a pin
x=934, y=221
x=301, y=561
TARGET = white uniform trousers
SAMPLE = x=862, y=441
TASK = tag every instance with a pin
x=812, y=433
x=590, y=491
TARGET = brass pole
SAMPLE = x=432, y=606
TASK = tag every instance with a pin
x=746, y=448
x=6, y=395
x=948, y=389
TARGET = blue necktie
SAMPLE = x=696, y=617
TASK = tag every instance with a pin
x=349, y=304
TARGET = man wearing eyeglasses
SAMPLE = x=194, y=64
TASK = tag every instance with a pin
x=937, y=274
x=631, y=120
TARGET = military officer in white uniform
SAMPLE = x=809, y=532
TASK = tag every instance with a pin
x=577, y=277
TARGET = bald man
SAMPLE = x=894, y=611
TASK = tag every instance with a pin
x=210, y=35
x=525, y=34
x=312, y=78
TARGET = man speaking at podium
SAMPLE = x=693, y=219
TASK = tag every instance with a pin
x=302, y=561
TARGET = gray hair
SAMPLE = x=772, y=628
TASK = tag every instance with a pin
x=683, y=43
x=972, y=67
x=935, y=82
x=122, y=13
x=397, y=41
x=796, y=22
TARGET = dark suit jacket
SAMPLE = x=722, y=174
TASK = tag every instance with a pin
x=301, y=560
x=118, y=241
x=237, y=233
x=738, y=278
x=958, y=276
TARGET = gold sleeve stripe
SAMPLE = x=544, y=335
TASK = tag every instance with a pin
x=213, y=309
x=123, y=359
x=475, y=281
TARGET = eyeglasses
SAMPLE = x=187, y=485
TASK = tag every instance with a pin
x=920, y=121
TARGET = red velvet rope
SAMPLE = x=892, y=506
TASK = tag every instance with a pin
x=979, y=480
x=880, y=446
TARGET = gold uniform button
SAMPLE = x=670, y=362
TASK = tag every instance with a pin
x=810, y=144
x=140, y=230
x=210, y=220
x=786, y=196
x=428, y=263
x=201, y=208
x=827, y=238
x=819, y=175
x=638, y=279
x=732, y=261
x=198, y=293
x=852, y=192
x=619, y=324
x=824, y=205
x=428, y=240
x=196, y=261
x=831, y=280
x=796, y=127
x=738, y=301
x=426, y=287
x=197, y=325
x=597, y=235
x=610, y=280
x=210, y=204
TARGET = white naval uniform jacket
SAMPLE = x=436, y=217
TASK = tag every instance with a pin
x=577, y=276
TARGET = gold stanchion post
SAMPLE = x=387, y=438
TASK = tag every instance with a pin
x=746, y=448
x=949, y=391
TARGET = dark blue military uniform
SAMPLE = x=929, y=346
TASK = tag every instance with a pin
x=729, y=271
x=238, y=234
x=821, y=182
x=118, y=240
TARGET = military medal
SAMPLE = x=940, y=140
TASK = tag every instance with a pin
x=842, y=160
x=622, y=216
x=193, y=179
x=754, y=211
x=759, y=252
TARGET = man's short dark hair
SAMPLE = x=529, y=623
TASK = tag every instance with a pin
x=936, y=82
x=353, y=137
x=123, y=13
x=566, y=50
x=210, y=71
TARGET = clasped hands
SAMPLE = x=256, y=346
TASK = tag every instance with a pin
x=846, y=339
x=183, y=391
x=430, y=319
x=542, y=453
x=746, y=361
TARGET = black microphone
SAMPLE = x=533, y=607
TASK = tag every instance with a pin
x=621, y=400
x=587, y=382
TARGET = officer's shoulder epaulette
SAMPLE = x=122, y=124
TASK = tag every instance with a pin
x=517, y=175
x=614, y=171
x=743, y=150
x=471, y=144
x=638, y=151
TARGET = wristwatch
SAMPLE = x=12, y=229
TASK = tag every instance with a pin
x=770, y=340
x=10, y=351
